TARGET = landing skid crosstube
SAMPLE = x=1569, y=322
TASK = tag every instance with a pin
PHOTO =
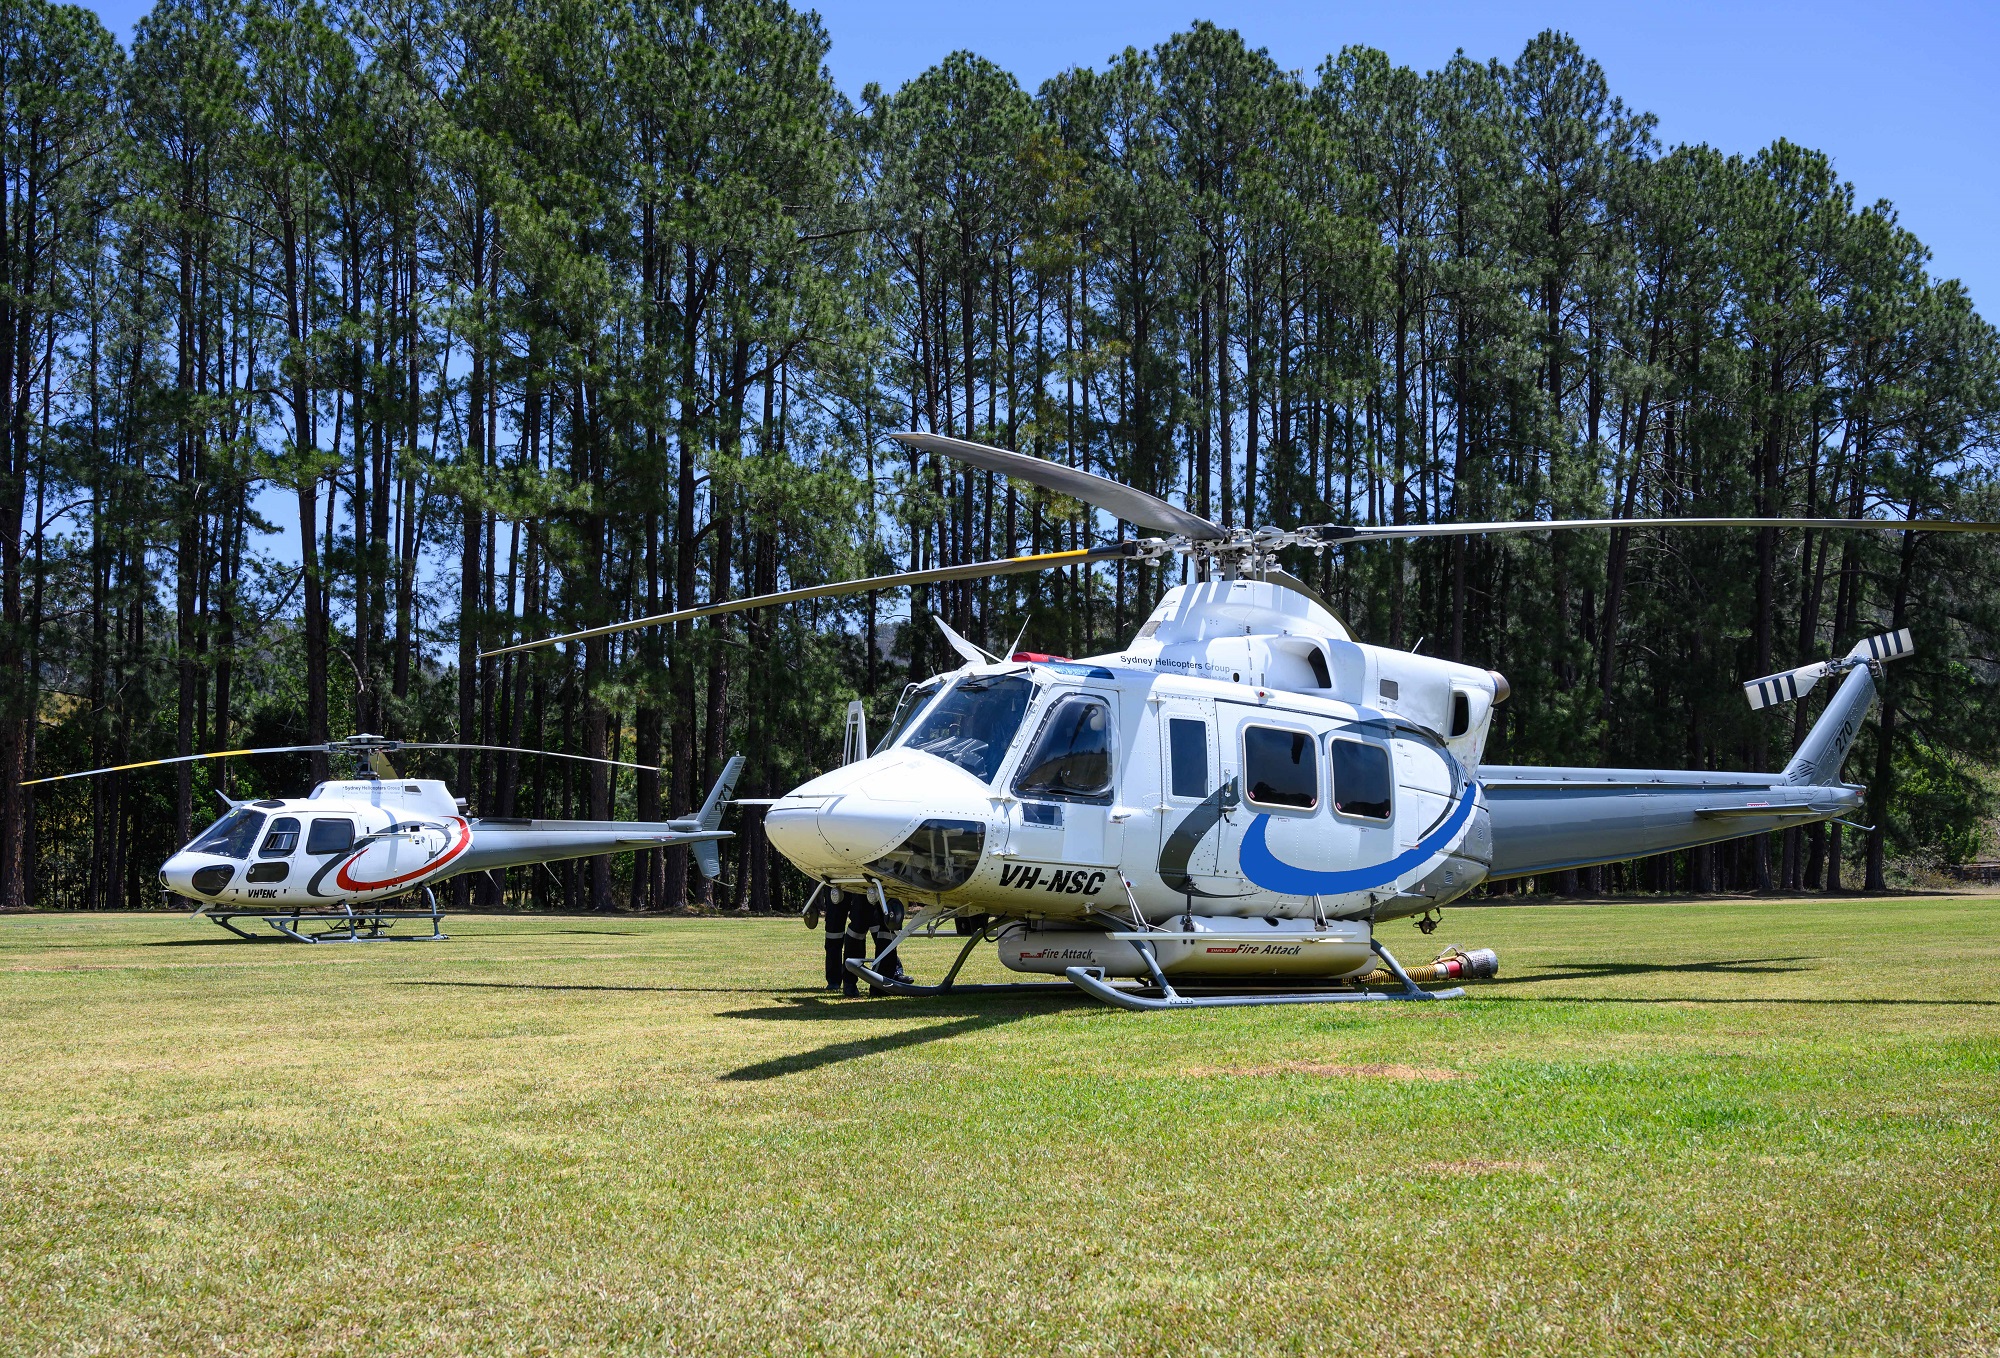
x=1091, y=981
x=337, y=924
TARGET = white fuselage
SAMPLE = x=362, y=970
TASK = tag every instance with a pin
x=349, y=842
x=368, y=839
x=1241, y=759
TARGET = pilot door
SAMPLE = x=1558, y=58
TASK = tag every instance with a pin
x=1065, y=785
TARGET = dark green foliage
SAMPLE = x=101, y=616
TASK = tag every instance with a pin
x=560, y=312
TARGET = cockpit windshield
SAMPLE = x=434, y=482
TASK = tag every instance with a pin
x=915, y=698
x=973, y=725
x=232, y=836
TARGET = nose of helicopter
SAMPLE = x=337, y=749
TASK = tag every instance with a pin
x=200, y=876
x=858, y=815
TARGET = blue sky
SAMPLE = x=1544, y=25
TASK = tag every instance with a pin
x=1903, y=96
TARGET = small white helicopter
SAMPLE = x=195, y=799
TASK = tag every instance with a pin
x=331, y=865
x=1237, y=797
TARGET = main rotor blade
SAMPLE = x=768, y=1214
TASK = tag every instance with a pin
x=335, y=747
x=1379, y=532
x=972, y=570
x=1128, y=503
x=517, y=749
x=178, y=759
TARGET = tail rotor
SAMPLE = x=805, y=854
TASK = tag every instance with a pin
x=1791, y=685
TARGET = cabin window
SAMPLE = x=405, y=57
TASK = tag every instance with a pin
x=973, y=725
x=1321, y=675
x=232, y=836
x=1363, y=782
x=1042, y=813
x=1280, y=768
x=330, y=836
x=1461, y=712
x=1071, y=757
x=1187, y=756
x=283, y=838
x=915, y=698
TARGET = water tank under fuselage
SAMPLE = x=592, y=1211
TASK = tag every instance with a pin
x=1201, y=946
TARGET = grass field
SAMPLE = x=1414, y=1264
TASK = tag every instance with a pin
x=1688, y=1127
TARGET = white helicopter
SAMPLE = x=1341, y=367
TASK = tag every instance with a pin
x=329, y=866
x=1237, y=797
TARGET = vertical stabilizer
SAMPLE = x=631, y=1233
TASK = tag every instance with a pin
x=1818, y=760
x=706, y=856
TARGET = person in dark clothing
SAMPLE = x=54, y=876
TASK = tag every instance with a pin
x=849, y=919
x=845, y=917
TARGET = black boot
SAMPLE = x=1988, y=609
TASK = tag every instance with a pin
x=856, y=948
x=890, y=965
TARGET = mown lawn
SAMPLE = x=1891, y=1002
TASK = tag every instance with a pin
x=1686, y=1127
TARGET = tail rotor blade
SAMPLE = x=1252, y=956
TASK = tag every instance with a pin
x=1784, y=688
x=1794, y=684
x=1888, y=646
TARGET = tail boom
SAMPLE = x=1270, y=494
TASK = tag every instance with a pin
x=1551, y=819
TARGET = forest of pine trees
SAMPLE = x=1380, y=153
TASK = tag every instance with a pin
x=343, y=344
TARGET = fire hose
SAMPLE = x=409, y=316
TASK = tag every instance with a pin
x=1453, y=964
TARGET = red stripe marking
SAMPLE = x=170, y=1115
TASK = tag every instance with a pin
x=347, y=883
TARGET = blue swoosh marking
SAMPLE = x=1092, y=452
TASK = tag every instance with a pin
x=1267, y=870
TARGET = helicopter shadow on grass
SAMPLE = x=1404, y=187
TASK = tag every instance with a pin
x=217, y=942
x=1599, y=971
x=612, y=989
x=550, y=933
x=230, y=941
x=235, y=942
x=988, y=1011
x=1742, y=966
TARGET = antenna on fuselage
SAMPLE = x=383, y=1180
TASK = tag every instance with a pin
x=973, y=654
x=854, y=744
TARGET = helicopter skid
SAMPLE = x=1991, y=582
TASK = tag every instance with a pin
x=875, y=978
x=1095, y=986
x=345, y=924
x=860, y=969
x=1091, y=981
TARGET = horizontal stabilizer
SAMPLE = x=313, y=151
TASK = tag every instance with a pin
x=1761, y=810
